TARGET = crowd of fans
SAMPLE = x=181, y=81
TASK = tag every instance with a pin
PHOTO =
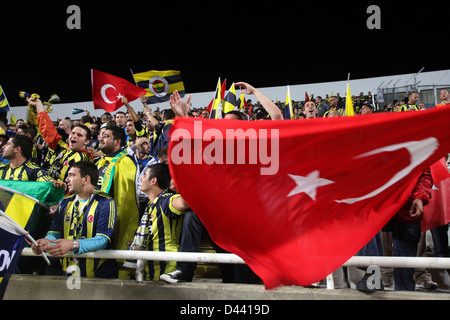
x=130, y=149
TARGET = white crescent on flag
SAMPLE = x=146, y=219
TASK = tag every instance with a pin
x=419, y=152
x=103, y=93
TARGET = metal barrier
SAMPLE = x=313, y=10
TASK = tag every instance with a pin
x=227, y=258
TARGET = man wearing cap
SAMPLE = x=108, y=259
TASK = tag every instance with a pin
x=367, y=108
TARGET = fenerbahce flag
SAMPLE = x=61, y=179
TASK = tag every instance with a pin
x=159, y=85
x=296, y=199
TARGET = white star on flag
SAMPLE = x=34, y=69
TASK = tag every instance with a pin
x=309, y=184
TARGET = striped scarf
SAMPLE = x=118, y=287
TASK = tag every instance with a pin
x=109, y=173
x=143, y=232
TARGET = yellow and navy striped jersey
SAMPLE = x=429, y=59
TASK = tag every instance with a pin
x=166, y=224
x=97, y=217
x=28, y=171
x=63, y=158
x=341, y=112
x=409, y=107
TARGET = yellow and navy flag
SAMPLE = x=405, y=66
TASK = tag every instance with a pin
x=216, y=110
x=28, y=202
x=159, y=85
x=4, y=105
x=242, y=103
x=288, y=111
x=229, y=102
x=12, y=242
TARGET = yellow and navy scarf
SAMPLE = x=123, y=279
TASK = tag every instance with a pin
x=109, y=173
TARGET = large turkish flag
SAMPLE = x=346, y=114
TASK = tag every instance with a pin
x=300, y=197
x=108, y=90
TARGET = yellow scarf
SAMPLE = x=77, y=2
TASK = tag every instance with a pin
x=109, y=173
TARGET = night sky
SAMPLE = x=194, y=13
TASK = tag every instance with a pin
x=265, y=44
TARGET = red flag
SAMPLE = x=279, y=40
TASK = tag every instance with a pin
x=316, y=193
x=224, y=88
x=437, y=212
x=108, y=90
x=209, y=107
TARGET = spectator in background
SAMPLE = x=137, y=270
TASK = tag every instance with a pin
x=121, y=119
x=445, y=98
x=161, y=133
x=322, y=107
x=310, y=111
x=65, y=125
x=411, y=102
x=367, y=108
x=205, y=114
x=3, y=140
x=396, y=106
x=333, y=105
x=106, y=117
x=31, y=132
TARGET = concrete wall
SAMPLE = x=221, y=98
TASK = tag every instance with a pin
x=29, y=287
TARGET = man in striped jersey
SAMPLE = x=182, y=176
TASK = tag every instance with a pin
x=18, y=150
x=160, y=227
x=84, y=222
x=66, y=153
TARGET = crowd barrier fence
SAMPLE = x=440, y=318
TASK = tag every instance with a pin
x=227, y=258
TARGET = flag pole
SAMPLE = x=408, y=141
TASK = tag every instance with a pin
x=92, y=88
x=24, y=232
x=132, y=74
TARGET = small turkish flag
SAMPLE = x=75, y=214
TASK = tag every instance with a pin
x=108, y=90
x=296, y=199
